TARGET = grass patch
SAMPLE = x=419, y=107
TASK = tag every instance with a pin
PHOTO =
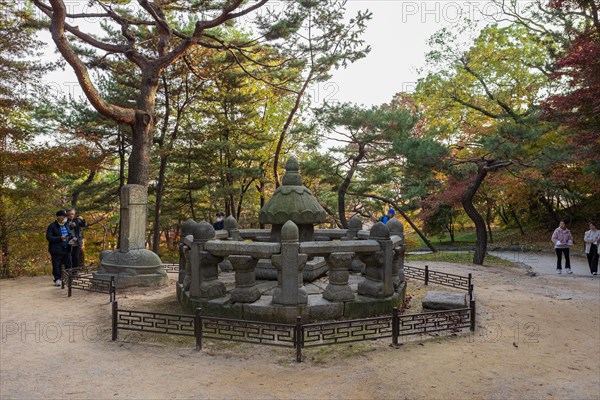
x=460, y=257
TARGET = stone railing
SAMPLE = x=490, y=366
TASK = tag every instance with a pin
x=378, y=252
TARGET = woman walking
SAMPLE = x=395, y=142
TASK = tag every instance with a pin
x=562, y=240
x=592, y=239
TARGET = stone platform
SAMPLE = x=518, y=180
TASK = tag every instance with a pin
x=317, y=309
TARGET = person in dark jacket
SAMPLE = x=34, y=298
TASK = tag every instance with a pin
x=219, y=224
x=75, y=224
x=58, y=235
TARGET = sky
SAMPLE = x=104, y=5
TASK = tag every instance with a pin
x=397, y=33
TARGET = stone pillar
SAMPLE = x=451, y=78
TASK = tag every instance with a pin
x=338, y=288
x=378, y=280
x=245, y=290
x=134, y=208
x=354, y=225
x=290, y=285
x=205, y=271
x=397, y=229
x=132, y=264
x=186, y=229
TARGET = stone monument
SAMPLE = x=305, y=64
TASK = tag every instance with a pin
x=292, y=201
x=132, y=264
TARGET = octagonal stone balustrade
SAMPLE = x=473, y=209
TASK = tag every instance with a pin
x=378, y=254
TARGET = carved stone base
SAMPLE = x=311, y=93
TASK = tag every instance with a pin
x=338, y=293
x=141, y=268
x=314, y=269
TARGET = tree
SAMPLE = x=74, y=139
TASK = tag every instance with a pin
x=577, y=106
x=171, y=43
x=326, y=41
x=484, y=101
x=377, y=148
x=19, y=79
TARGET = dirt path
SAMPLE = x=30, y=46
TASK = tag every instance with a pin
x=537, y=337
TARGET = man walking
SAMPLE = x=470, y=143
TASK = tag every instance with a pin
x=58, y=235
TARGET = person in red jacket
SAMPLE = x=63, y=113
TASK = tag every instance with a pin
x=562, y=240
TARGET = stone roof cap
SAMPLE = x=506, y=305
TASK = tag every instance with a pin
x=292, y=201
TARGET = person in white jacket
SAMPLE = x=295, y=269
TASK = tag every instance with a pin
x=592, y=240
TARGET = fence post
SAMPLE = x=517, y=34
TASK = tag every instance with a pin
x=298, y=338
x=114, y=320
x=470, y=285
x=472, y=307
x=198, y=328
x=113, y=289
x=395, y=327
x=69, y=283
x=426, y=274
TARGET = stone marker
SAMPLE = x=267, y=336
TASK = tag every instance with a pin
x=132, y=264
x=440, y=300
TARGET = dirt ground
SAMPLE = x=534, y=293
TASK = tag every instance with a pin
x=537, y=338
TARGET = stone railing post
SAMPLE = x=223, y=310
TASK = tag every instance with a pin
x=204, y=266
x=354, y=226
x=245, y=290
x=187, y=228
x=290, y=285
x=338, y=288
x=396, y=228
x=378, y=271
x=231, y=226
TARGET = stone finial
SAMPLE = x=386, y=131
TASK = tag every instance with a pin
x=230, y=223
x=187, y=228
x=355, y=223
x=289, y=232
x=379, y=231
x=292, y=177
x=292, y=201
x=203, y=231
x=395, y=227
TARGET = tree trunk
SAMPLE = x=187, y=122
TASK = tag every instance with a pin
x=160, y=185
x=286, y=127
x=488, y=222
x=121, y=172
x=190, y=196
x=544, y=201
x=503, y=215
x=467, y=203
x=346, y=184
x=141, y=144
x=514, y=214
x=261, y=191
x=5, y=271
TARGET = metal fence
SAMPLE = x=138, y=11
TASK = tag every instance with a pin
x=441, y=278
x=83, y=279
x=298, y=335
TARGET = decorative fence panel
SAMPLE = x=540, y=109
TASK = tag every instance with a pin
x=300, y=335
x=234, y=330
x=171, y=268
x=83, y=279
x=327, y=333
x=441, y=278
